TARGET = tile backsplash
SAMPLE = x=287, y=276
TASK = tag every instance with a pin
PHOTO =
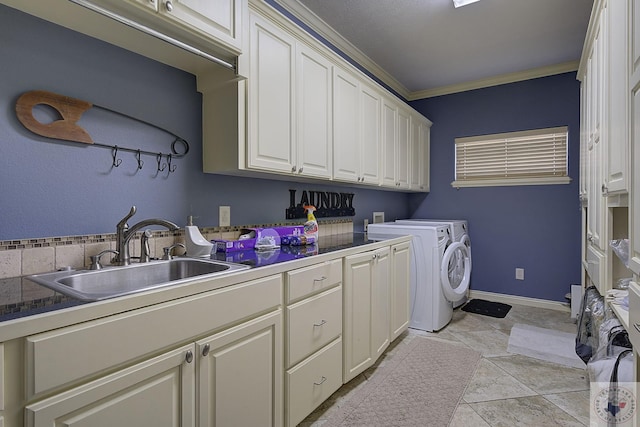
x=31, y=256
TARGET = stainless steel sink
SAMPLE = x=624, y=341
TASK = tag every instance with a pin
x=110, y=282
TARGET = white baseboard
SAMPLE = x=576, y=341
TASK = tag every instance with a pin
x=514, y=299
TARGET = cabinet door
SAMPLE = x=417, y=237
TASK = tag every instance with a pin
x=346, y=122
x=240, y=373
x=370, y=129
x=404, y=137
x=414, y=157
x=271, y=98
x=314, y=113
x=425, y=157
x=218, y=18
x=634, y=86
x=399, y=289
x=124, y=398
x=358, y=274
x=617, y=111
x=389, y=142
x=380, y=307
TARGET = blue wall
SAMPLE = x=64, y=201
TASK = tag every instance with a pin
x=532, y=227
x=53, y=188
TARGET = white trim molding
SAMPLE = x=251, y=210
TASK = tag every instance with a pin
x=514, y=299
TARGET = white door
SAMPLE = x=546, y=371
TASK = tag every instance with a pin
x=271, y=98
x=634, y=86
x=399, y=289
x=314, y=113
x=240, y=374
x=403, y=148
x=370, y=128
x=346, y=125
x=380, y=306
x=389, y=142
x=123, y=398
x=218, y=18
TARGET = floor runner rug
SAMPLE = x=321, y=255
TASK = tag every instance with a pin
x=420, y=385
x=544, y=344
x=487, y=308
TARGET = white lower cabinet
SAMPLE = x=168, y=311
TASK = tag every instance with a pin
x=366, y=310
x=239, y=366
x=239, y=375
x=157, y=392
x=399, y=289
x=313, y=344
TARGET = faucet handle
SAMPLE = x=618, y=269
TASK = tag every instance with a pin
x=123, y=222
x=167, y=251
x=95, y=259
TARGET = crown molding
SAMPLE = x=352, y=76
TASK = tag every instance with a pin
x=309, y=18
x=534, y=73
x=305, y=15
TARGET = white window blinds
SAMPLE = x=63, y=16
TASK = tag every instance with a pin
x=530, y=157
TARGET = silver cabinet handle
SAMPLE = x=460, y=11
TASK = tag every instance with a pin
x=300, y=170
x=637, y=327
x=189, y=356
x=320, y=324
x=206, y=349
x=321, y=381
x=293, y=168
x=322, y=279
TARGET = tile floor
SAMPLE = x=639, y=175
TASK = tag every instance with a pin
x=507, y=389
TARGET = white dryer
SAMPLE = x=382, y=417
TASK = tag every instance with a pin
x=432, y=251
x=459, y=233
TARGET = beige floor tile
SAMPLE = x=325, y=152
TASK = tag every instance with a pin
x=523, y=411
x=492, y=383
x=575, y=403
x=543, y=377
x=465, y=416
x=490, y=343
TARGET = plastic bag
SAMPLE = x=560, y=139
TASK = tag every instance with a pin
x=621, y=249
x=592, y=314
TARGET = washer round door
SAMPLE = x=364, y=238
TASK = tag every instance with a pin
x=455, y=271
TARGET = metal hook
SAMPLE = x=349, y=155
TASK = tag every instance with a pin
x=171, y=169
x=140, y=162
x=116, y=160
x=159, y=158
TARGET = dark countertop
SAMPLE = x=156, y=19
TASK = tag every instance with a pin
x=21, y=297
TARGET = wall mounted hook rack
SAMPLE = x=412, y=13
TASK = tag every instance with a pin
x=70, y=110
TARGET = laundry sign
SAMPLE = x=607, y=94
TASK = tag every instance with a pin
x=327, y=203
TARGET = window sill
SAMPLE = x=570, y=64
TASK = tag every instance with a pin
x=511, y=182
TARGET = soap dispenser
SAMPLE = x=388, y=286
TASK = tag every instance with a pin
x=195, y=243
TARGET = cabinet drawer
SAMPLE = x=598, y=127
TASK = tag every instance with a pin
x=634, y=314
x=69, y=354
x=595, y=267
x=311, y=382
x=312, y=323
x=307, y=281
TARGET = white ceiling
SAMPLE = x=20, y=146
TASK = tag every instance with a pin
x=425, y=48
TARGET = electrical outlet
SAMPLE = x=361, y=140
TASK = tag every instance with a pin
x=366, y=225
x=519, y=273
x=225, y=216
x=378, y=217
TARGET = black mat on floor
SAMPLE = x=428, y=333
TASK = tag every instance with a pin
x=487, y=308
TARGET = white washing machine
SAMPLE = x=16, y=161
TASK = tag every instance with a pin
x=432, y=251
x=459, y=233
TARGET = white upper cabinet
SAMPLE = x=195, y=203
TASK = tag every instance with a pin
x=271, y=98
x=304, y=112
x=634, y=96
x=194, y=22
x=420, y=145
x=356, y=138
x=314, y=113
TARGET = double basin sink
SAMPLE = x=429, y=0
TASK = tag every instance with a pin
x=110, y=282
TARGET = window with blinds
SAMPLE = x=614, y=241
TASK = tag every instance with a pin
x=532, y=157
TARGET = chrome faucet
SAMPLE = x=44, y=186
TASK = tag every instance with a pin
x=124, y=233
